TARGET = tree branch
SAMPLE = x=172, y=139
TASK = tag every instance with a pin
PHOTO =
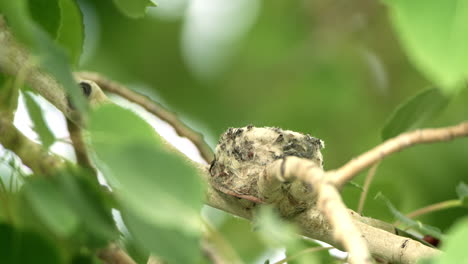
x=32, y=154
x=406, y=140
x=312, y=221
x=154, y=108
x=79, y=145
x=13, y=58
x=329, y=202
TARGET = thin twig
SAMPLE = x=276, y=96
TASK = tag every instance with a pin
x=81, y=153
x=433, y=208
x=32, y=154
x=367, y=182
x=154, y=108
x=406, y=140
x=305, y=251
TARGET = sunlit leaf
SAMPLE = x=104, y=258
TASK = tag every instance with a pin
x=277, y=233
x=414, y=112
x=71, y=31
x=434, y=34
x=246, y=242
x=26, y=247
x=171, y=244
x=462, y=192
x=425, y=229
x=133, y=8
x=158, y=186
x=41, y=127
x=48, y=203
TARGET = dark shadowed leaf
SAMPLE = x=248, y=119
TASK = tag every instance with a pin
x=434, y=34
x=85, y=196
x=133, y=8
x=424, y=229
x=48, y=203
x=71, y=31
x=462, y=192
x=41, y=127
x=46, y=13
x=414, y=112
x=26, y=247
x=8, y=94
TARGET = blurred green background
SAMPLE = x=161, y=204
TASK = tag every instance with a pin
x=333, y=69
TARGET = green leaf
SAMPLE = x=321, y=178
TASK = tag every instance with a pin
x=46, y=13
x=35, y=112
x=454, y=246
x=277, y=233
x=247, y=243
x=48, y=203
x=157, y=187
x=150, y=179
x=52, y=58
x=172, y=244
x=462, y=192
x=424, y=229
x=273, y=230
x=85, y=197
x=71, y=31
x=133, y=8
x=26, y=247
x=414, y=112
x=434, y=34
x=8, y=94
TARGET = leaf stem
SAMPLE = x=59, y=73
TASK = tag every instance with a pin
x=435, y=207
x=367, y=182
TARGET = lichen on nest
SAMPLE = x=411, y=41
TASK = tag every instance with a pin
x=242, y=155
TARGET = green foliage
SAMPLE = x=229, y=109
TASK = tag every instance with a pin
x=320, y=69
x=454, y=246
x=48, y=54
x=434, y=34
x=46, y=13
x=462, y=192
x=424, y=229
x=71, y=32
x=245, y=241
x=8, y=94
x=35, y=112
x=277, y=233
x=414, y=112
x=28, y=247
x=173, y=244
x=48, y=203
x=155, y=187
x=133, y=8
x=71, y=206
